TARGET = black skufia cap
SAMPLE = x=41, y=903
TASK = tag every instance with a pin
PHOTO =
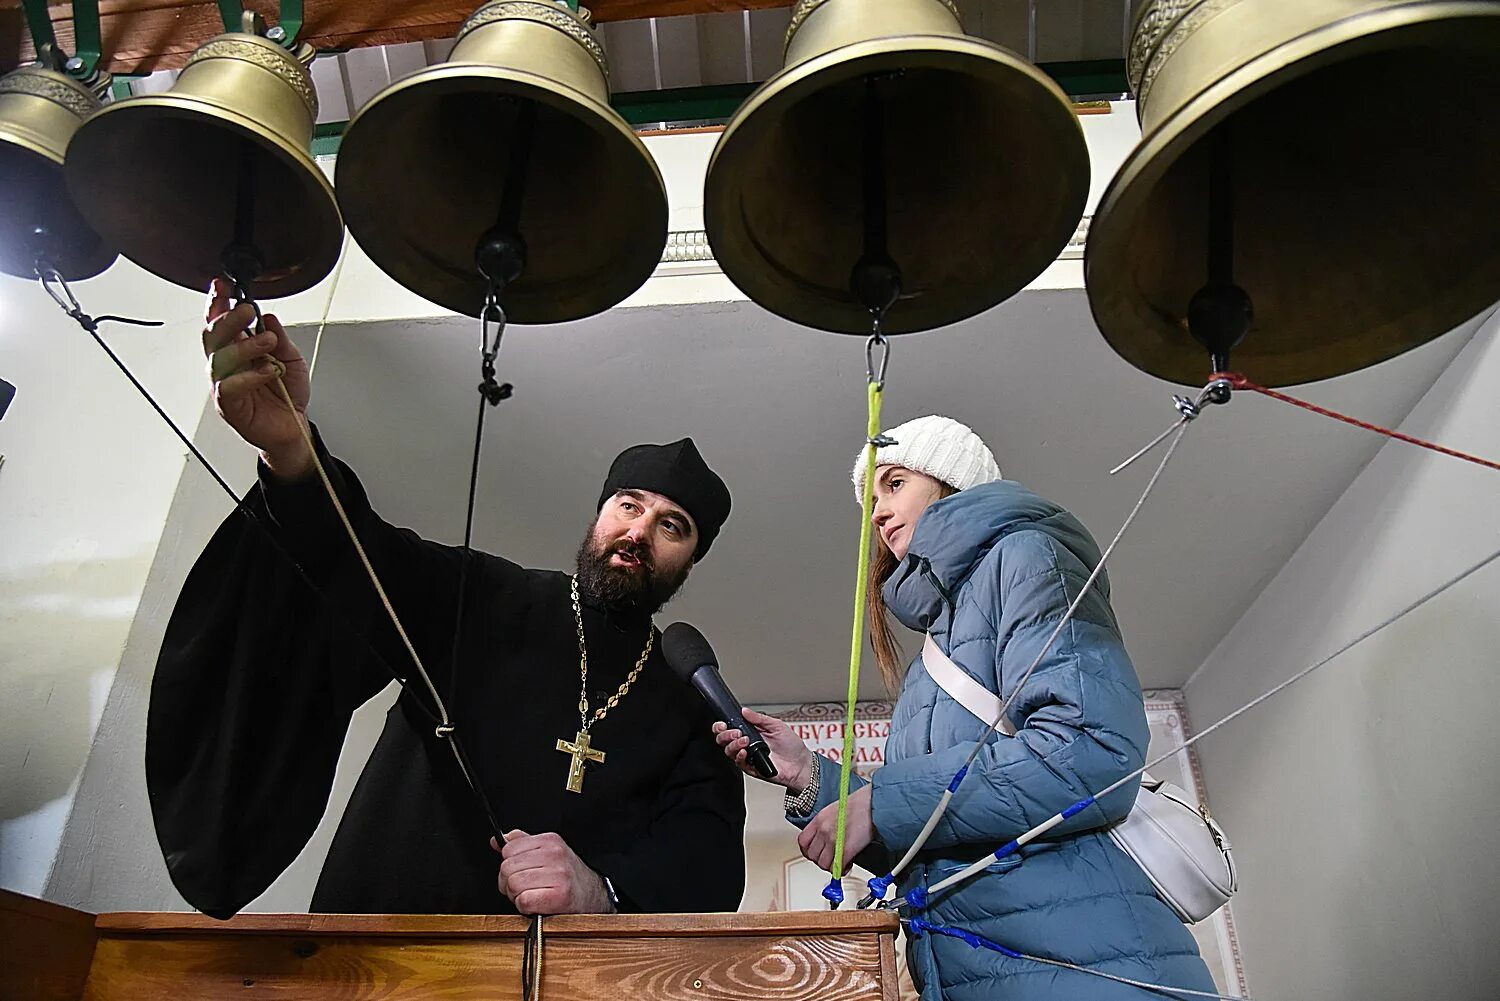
x=679, y=472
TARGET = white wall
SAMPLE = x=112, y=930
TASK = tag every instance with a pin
x=1362, y=802
x=89, y=473
x=101, y=516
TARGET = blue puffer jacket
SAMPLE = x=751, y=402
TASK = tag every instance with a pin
x=990, y=572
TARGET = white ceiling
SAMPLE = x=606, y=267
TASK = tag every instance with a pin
x=779, y=411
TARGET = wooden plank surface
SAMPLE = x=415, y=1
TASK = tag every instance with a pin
x=144, y=35
x=835, y=966
x=491, y=925
x=45, y=949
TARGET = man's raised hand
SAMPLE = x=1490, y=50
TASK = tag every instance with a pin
x=245, y=392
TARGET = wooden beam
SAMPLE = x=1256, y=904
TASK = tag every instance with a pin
x=500, y=925
x=789, y=956
x=145, y=35
x=47, y=949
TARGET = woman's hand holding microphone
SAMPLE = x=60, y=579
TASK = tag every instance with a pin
x=794, y=764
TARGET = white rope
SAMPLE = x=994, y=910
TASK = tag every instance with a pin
x=988, y=860
x=445, y=724
x=333, y=288
x=942, y=806
x=977, y=941
x=1160, y=988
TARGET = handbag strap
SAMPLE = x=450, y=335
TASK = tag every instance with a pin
x=962, y=688
x=979, y=700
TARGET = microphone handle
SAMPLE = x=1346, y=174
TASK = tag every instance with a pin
x=711, y=686
x=760, y=757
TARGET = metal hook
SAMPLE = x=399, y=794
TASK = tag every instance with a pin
x=491, y=313
x=52, y=280
x=876, y=373
x=242, y=296
x=1217, y=391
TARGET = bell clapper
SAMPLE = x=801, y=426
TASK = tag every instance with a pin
x=876, y=278
x=240, y=261
x=1220, y=313
x=241, y=266
x=500, y=255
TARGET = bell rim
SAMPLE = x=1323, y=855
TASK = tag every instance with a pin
x=1105, y=251
x=559, y=96
x=788, y=86
x=76, y=267
x=24, y=141
x=315, y=187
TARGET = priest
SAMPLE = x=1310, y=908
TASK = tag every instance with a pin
x=603, y=789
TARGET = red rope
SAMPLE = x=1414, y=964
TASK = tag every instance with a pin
x=1240, y=382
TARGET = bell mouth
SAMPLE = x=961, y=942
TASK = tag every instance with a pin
x=1362, y=229
x=421, y=175
x=986, y=172
x=35, y=196
x=39, y=224
x=157, y=175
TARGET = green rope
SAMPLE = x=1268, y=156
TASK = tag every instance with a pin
x=857, y=644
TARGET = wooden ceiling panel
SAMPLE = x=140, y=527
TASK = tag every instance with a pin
x=144, y=35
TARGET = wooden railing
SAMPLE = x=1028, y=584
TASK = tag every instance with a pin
x=51, y=953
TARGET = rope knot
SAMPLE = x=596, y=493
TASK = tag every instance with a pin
x=444, y=731
x=878, y=887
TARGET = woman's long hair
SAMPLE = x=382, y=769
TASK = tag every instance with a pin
x=888, y=655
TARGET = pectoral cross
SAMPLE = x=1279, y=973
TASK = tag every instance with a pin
x=582, y=752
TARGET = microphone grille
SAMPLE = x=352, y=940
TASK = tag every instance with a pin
x=685, y=650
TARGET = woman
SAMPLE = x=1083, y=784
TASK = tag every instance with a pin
x=989, y=568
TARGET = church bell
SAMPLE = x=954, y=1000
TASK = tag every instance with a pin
x=1320, y=178
x=505, y=168
x=215, y=175
x=40, y=110
x=893, y=162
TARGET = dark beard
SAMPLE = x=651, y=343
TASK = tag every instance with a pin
x=618, y=589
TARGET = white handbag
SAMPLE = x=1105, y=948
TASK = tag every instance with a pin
x=1179, y=847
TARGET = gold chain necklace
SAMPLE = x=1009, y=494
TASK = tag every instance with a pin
x=580, y=747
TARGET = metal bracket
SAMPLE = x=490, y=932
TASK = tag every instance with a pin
x=39, y=20
x=231, y=13
x=288, y=25
x=84, y=64
x=284, y=33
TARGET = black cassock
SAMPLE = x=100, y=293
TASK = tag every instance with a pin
x=257, y=679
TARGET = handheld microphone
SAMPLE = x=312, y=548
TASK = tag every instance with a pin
x=691, y=658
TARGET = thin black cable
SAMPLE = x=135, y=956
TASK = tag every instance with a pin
x=489, y=395
x=466, y=556
x=528, y=961
x=90, y=325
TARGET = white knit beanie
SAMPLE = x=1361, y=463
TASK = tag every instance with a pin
x=941, y=447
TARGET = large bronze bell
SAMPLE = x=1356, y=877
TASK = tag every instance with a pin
x=215, y=175
x=1319, y=177
x=949, y=169
x=506, y=167
x=40, y=110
